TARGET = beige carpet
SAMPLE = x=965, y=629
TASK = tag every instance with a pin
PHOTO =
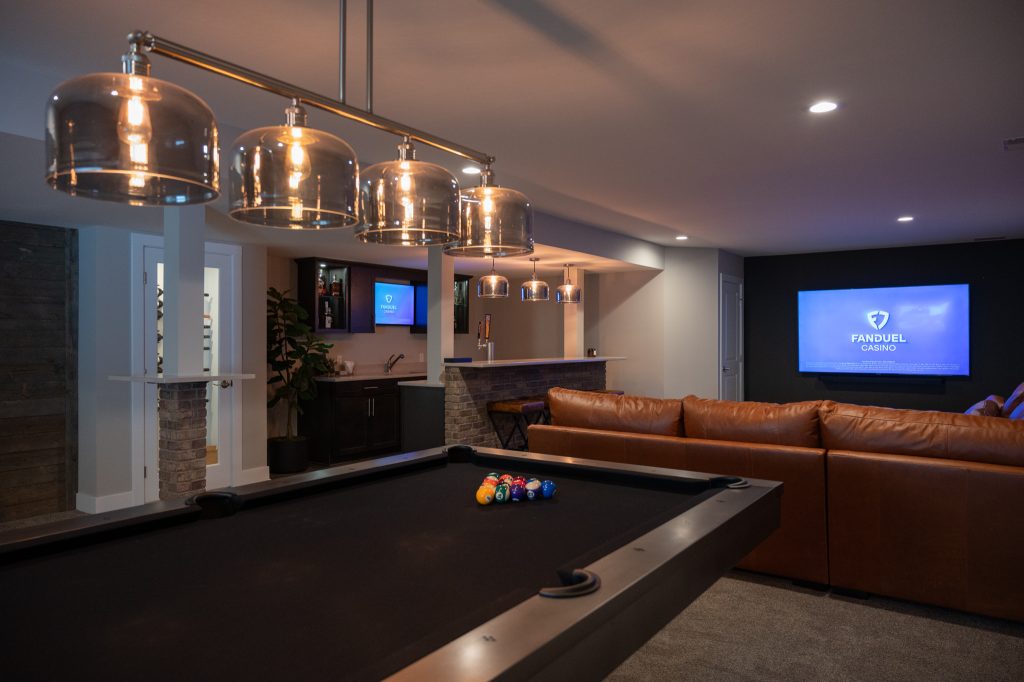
x=750, y=627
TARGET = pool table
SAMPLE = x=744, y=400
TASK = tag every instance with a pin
x=376, y=569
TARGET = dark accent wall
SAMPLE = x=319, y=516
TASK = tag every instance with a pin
x=994, y=270
x=38, y=370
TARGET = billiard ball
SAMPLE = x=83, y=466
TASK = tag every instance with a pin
x=517, y=493
x=490, y=482
x=501, y=493
x=505, y=478
x=547, y=489
x=518, y=480
x=533, y=489
x=484, y=495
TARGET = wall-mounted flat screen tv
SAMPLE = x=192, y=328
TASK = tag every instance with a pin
x=920, y=330
x=392, y=303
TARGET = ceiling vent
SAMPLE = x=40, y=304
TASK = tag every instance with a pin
x=1013, y=144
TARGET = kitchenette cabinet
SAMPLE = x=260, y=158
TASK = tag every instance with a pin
x=352, y=418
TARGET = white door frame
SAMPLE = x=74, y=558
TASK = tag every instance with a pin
x=232, y=317
x=722, y=279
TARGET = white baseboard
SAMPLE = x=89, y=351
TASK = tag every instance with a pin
x=253, y=475
x=91, y=504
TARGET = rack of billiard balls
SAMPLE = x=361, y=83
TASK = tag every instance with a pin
x=509, y=488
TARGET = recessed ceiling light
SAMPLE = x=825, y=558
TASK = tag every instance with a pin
x=471, y=170
x=682, y=237
x=823, y=107
x=905, y=219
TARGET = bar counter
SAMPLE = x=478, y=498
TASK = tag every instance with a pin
x=469, y=386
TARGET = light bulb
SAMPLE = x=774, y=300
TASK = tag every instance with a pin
x=134, y=127
x=298, y=166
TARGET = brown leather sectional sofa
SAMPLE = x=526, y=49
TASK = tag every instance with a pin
x=924, y=506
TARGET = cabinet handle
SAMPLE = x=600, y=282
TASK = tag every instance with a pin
x=370, y=388
x=373, y=407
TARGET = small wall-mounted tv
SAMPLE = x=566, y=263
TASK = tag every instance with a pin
x=918, y=330
x=392, y=303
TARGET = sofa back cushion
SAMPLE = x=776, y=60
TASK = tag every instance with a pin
x=633, y=414
x=749, y=422
x=921, y=433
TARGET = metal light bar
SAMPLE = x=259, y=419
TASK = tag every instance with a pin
x=182, y=53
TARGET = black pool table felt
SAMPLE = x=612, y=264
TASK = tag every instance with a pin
x=354, y=582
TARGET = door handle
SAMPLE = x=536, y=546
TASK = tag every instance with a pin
x=226, y=383
x=726, y=369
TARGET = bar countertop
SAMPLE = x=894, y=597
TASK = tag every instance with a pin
x=485, y=364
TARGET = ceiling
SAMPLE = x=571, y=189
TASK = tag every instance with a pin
x=651, y=119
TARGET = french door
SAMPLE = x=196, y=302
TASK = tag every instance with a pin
x=219, y=356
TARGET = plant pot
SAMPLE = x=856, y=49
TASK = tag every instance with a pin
x=286, y=456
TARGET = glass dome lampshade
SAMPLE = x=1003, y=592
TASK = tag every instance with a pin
x=131, y=138
x=568, y=292
x=492, y=285
x=496, y=221
x=295, y=177
x=408, y=202
x=534, y=289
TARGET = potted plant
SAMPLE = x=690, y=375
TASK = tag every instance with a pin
x=295, y=356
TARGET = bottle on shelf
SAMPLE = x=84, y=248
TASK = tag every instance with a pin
x=321, y=284
x=335, y=286
x=328, y=318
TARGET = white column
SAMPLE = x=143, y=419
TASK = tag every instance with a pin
x=441, y=311
x=572, y=320
x=184, y=258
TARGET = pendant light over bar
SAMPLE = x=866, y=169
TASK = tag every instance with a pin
x=568, y=292
x=492, y=285
x=496, y=221
x=294, y=177
x=534, y=289
x=131, y=138
x=408, y=202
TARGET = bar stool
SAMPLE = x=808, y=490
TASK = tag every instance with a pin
x=520, y=413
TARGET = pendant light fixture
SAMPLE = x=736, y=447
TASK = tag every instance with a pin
x=131, y=138
x=496, y=221
x=534, y=289
x=568, y=292
x=293, y=176
x=492, y=285
x=408, y=202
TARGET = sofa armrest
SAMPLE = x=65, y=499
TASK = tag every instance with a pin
x=940, y=531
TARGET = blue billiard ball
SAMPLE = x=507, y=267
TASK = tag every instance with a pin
x=547, y=489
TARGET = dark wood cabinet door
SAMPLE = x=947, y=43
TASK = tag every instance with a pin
x=382, y=425
x=351, y=413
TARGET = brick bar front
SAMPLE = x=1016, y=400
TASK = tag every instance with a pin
x=182, y=463
x=467, y=391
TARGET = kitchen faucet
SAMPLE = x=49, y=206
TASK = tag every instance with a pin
x=392, y=361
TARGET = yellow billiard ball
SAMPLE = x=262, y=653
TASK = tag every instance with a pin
x=484, y=494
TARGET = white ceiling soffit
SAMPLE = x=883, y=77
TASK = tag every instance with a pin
x=680, y=118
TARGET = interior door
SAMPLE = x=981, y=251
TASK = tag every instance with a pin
x=730, y=338
x=218, y=351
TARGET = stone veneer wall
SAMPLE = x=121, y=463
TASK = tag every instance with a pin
x=469, y=389
x=182, y=464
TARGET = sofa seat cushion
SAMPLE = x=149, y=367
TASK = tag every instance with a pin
x=627, y=413
x=793, y=424
x=921, y=433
